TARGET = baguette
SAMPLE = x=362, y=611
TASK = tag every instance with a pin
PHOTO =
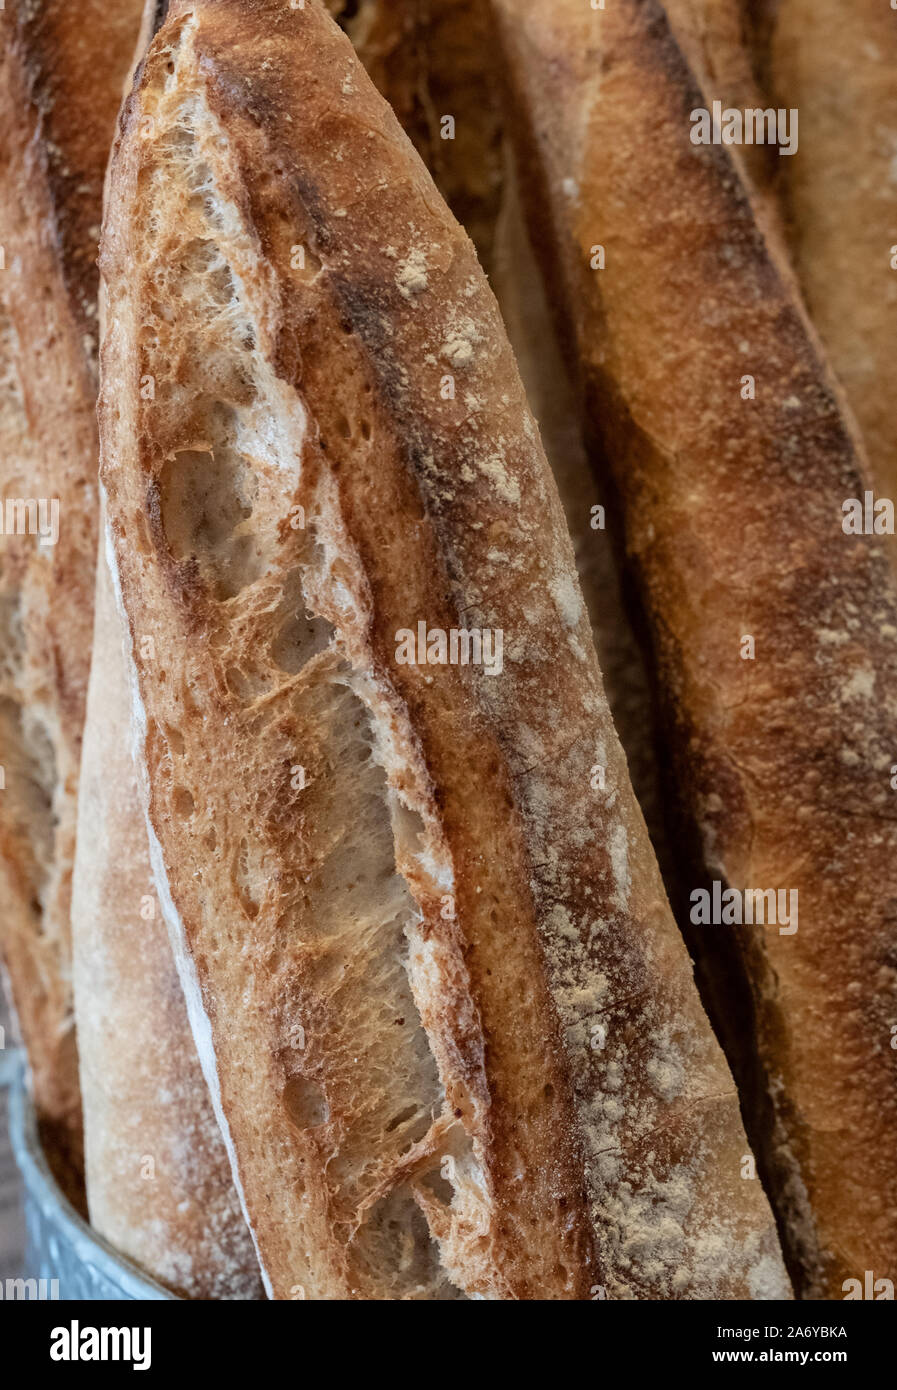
x=733, y=513
x=445, y=1014
x=440, y=59
x=717, y=38
x=836, y=65
x=57, y=113
x=430, y=59
x=158, y=1178
x=578, y=469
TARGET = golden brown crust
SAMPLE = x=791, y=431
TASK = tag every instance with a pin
x=447, y=853
x=427, y=58
x=57, y=110
x=159, y=1185
x=733, y=512
x=70, y=63
x=836, y=66
x=580, y=472
x=716, y=39
x=431, y=60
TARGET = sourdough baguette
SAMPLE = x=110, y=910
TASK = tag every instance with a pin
x=58, y=102
x=446, y=1016
x=26, y=831
x=733, y=525
x=717, y=38
x=835, y=64
x=159, y=1185
x=433, y=59
x=588, y=505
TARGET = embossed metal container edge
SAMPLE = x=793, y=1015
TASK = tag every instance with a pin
x=59, y=1244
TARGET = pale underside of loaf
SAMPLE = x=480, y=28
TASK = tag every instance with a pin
x=159, y=1184
x=401, y=914
x=733, y=508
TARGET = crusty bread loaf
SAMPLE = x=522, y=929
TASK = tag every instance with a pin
x=432, y=60
x=733, y=509
x=28, y=782
x=448, y=1021
x=579, y=469
x=836, y=65
x=717, y=40
x=61, y=72
x=426, y=58
x=159, y=1185
x=836, y=198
